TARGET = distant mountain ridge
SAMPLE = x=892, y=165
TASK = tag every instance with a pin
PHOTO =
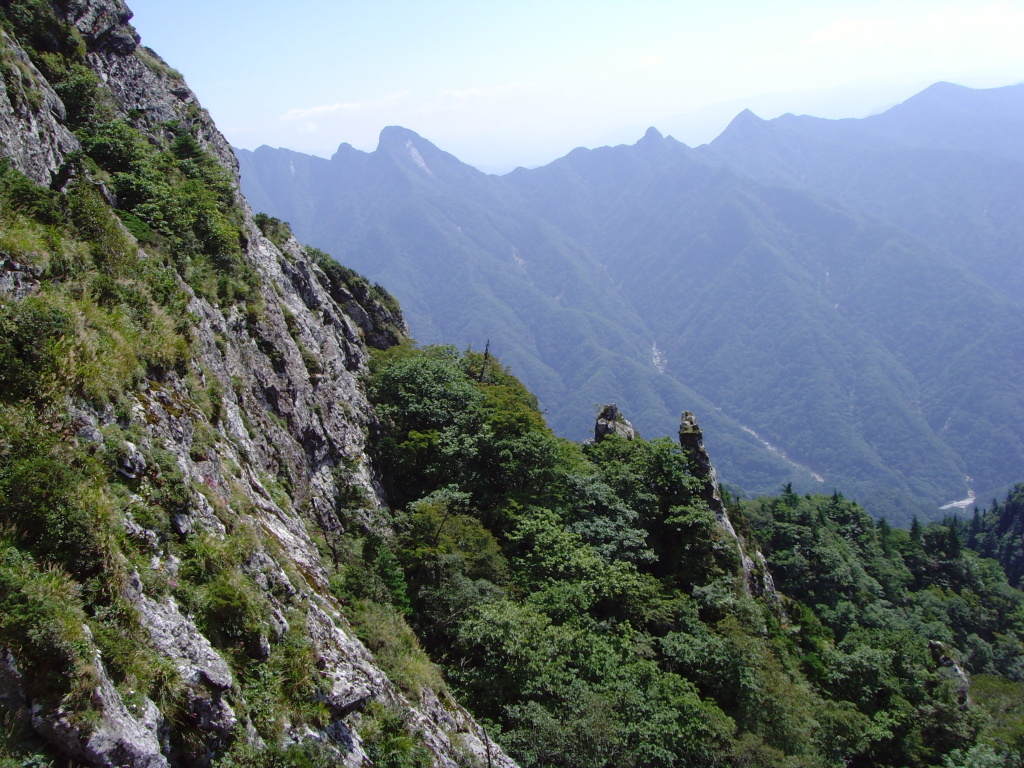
x=549, y=311
x=946, y=165
x=805, y=283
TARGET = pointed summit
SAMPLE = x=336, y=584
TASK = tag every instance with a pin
x=743, y=128
x=655, y=144
x=744, y=121
x=409, y=149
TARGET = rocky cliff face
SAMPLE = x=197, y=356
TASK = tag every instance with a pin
x=757, y=578
x=263, y=427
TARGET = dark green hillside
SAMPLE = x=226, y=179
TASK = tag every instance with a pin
x=997, y=532
x=586, y=601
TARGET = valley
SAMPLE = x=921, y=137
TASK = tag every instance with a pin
x=253, y=517
x=786, y=290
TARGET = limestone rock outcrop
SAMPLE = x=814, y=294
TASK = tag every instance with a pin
x=611, y=422
x=287, y=442
x=757, y=578
x=32, y=131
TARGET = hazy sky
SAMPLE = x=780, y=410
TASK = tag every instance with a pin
x=506, y=84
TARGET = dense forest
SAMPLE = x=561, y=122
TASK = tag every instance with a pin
x=220, y=457
x=587, y=602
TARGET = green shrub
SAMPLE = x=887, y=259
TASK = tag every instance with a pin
x=275, y=230
x=26, y=197
x=112, y=249
x=388, y=740
x=41, y=621
x=395, y=647
x=33, y=347
x=305, y=754
x=78, y=88
x=50, y=496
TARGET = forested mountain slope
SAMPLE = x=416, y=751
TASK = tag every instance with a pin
x=831, y=337
x=472, y=264
x=829, y=333
x=604, y=607
x=245, y=522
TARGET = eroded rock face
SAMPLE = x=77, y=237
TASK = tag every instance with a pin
x=122, y=737
x=279, y=417
x=611, y=422
x=103, y=24
x=757, y=579
x=32, y=133
x=960, y=681
x=18, y=280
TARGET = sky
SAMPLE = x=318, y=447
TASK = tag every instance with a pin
x=500, y=85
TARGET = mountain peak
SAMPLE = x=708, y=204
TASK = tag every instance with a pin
x=744, y=119
x=944, y=86
x=745, y=124
x=396, y=136
x=653, y=134
x=401, y=142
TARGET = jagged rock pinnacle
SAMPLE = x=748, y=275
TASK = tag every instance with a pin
x=691, y=440
x=611, y=422
x=757, y=580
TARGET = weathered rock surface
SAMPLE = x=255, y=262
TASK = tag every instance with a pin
x=959, y=678
x=120, y=738
x=103, y=24
x=757, y=579
x=17, y=280
x=282, y=422
x=611, y=422
x=32, y=133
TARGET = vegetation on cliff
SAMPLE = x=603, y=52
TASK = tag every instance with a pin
x=160, y=600
x=173, y=435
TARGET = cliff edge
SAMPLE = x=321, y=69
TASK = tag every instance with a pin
x=182, y=436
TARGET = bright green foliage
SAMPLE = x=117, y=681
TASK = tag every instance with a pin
x=340, y=276
x=998, y=533
x=389, y=741
x=586, y=600
x=41, y=621
x=273, y=228
x=50, y=497
x=31, y=336
x=174, y=195
x=396, y=648
x=306, y=754
x=871, y=599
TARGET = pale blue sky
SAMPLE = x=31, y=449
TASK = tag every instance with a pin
x=506, y=84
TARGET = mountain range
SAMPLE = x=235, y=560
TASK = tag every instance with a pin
x=246, y=523
x=838, y=299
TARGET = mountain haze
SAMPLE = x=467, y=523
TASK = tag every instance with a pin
x=474, y=264
x=246, y=522
x=811, y=282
